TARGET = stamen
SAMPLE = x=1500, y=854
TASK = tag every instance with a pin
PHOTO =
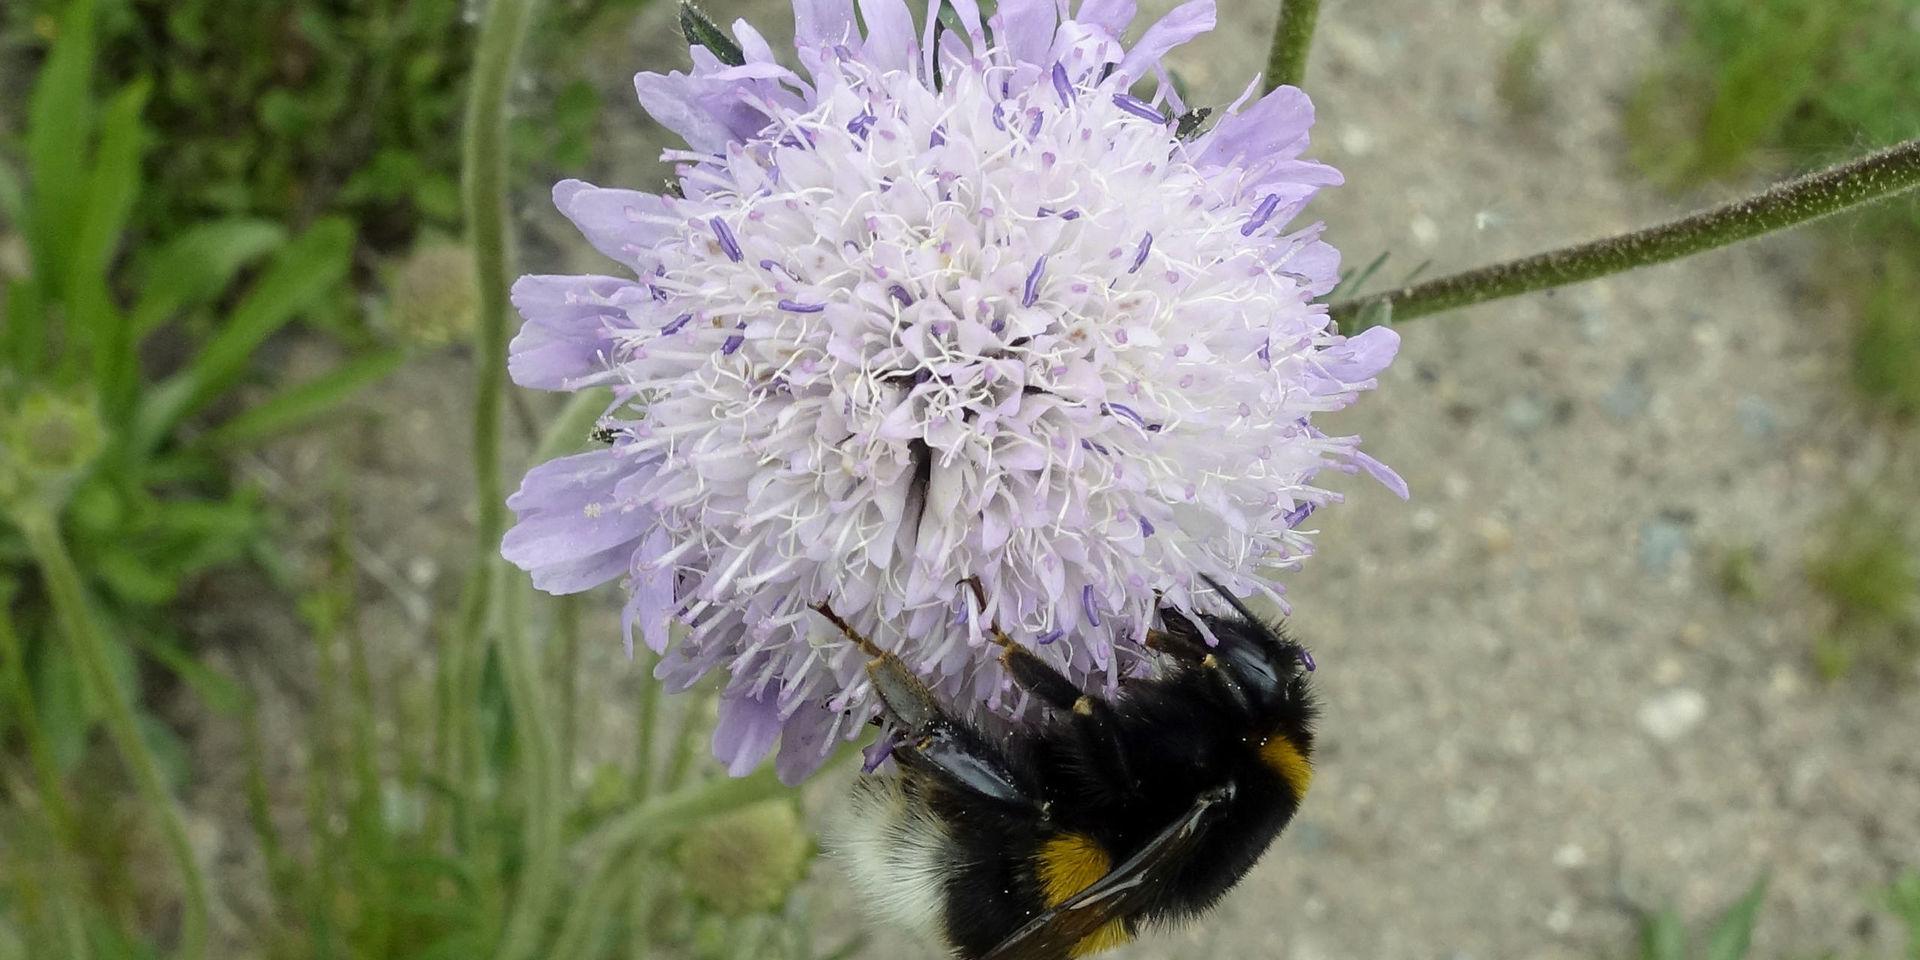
x=1125, y=411
x=1050, y=636
x=1298, y=515
x=900, y=293
x=1138, y=107
x=1261, y=214
x=724, y=234
x=1146, y=527
x=678, y=322
x=1062, y=85
x=1306, y=660
x=859, y=125
x=1086, y=602
x=1140, y=257
x=1032, y=293
x=795, y=306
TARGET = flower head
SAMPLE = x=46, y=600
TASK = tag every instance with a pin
x=945, y=308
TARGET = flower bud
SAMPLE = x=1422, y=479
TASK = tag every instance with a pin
x=433, y=302
x=749, y=860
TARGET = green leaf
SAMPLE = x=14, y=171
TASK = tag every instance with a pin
x=302, y=404
x=198, y=265
x=1663, y=936
x=299, y=277
x=110, y=195
x=1733, y=934
x=702, y=31
x=59, y=121
x=215, y=689
x=13, y=199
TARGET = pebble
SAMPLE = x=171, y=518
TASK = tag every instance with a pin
x=1755, y=417
x=1662, y=542
x=1672, y=714
x=1524, y=413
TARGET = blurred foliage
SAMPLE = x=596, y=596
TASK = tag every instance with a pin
x=1795, y=84
x=1869, y=571
x=298, y=111
x=1665, y=935
x=187, y=181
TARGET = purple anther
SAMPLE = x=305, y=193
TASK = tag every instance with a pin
x=1298, y=515
x=876, y=754
x=900, y=293
x=733, y=343
x=1086, y=601
x=1261, y=214
x=859, y=125
x=1031, y=294
x=1061, y=85
x=1140, y=256
x=678, y=322
x=1306, y=660
x=1033, y=124
x=1138, y=107
x=724, y=234
x=795, y=306
x=1125, y=411
x=939, y=137
x=1050, y=636
x=1070, y=215
x=1146, y=527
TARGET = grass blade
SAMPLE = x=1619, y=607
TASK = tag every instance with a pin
x=111, y=191
x=306, y=270
x=302, y=404
x=1733, y=934
x=59, y=121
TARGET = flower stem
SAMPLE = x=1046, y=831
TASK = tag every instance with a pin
x=88, y=646
x=484, y=166
x=1292, y=36
x=1873, y=177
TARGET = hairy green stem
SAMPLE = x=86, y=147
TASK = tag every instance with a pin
x=484, y=167
x=88, y=646
x=1874, y=177
x=1292, y=38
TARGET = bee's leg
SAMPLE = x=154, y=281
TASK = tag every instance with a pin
x=1092, y=716
x=934, y=742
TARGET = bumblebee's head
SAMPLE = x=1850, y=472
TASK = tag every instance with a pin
x=1262, y=669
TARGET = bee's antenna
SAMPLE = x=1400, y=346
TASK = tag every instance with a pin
x=1232, y=601
x=866, y=646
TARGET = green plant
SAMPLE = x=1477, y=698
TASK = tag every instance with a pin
x=113, y=482
x=291, y=112
x=1870, y=574
x=1664, y=934
x=1758, y=82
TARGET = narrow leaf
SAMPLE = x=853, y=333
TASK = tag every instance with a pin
x=59, y=120
x=305, y=271
x=297, y=406
x=1663, y=936
x=701, y=31
x=1733, y=934
x=197, y=265
x=91, y=314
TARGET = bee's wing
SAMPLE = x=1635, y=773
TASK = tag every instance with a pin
x=1122, y=892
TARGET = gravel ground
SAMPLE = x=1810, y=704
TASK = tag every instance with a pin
x=1539, y=702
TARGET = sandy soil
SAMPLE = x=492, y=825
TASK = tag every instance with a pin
x=1538, y=700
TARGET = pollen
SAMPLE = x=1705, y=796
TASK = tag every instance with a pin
x=1068, y=864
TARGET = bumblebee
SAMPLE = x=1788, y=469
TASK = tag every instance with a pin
x=1068, y=836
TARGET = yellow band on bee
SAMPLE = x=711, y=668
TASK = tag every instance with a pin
x=1287, y=759
x=1068, y=864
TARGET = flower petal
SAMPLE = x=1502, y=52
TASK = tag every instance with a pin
x=1182, y=24
x=567, y=331
x=747, y=730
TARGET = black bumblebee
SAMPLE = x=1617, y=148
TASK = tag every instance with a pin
x=1066, y=837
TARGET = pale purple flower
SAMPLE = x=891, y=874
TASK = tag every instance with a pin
x=863, y=357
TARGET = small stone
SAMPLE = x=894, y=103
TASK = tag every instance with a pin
x=1495, y=536
x=1673, y=714
x=1524, y=413
x=1662, y=543
x=1668, y=671
x=1570, y=856
x=1755, y=417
